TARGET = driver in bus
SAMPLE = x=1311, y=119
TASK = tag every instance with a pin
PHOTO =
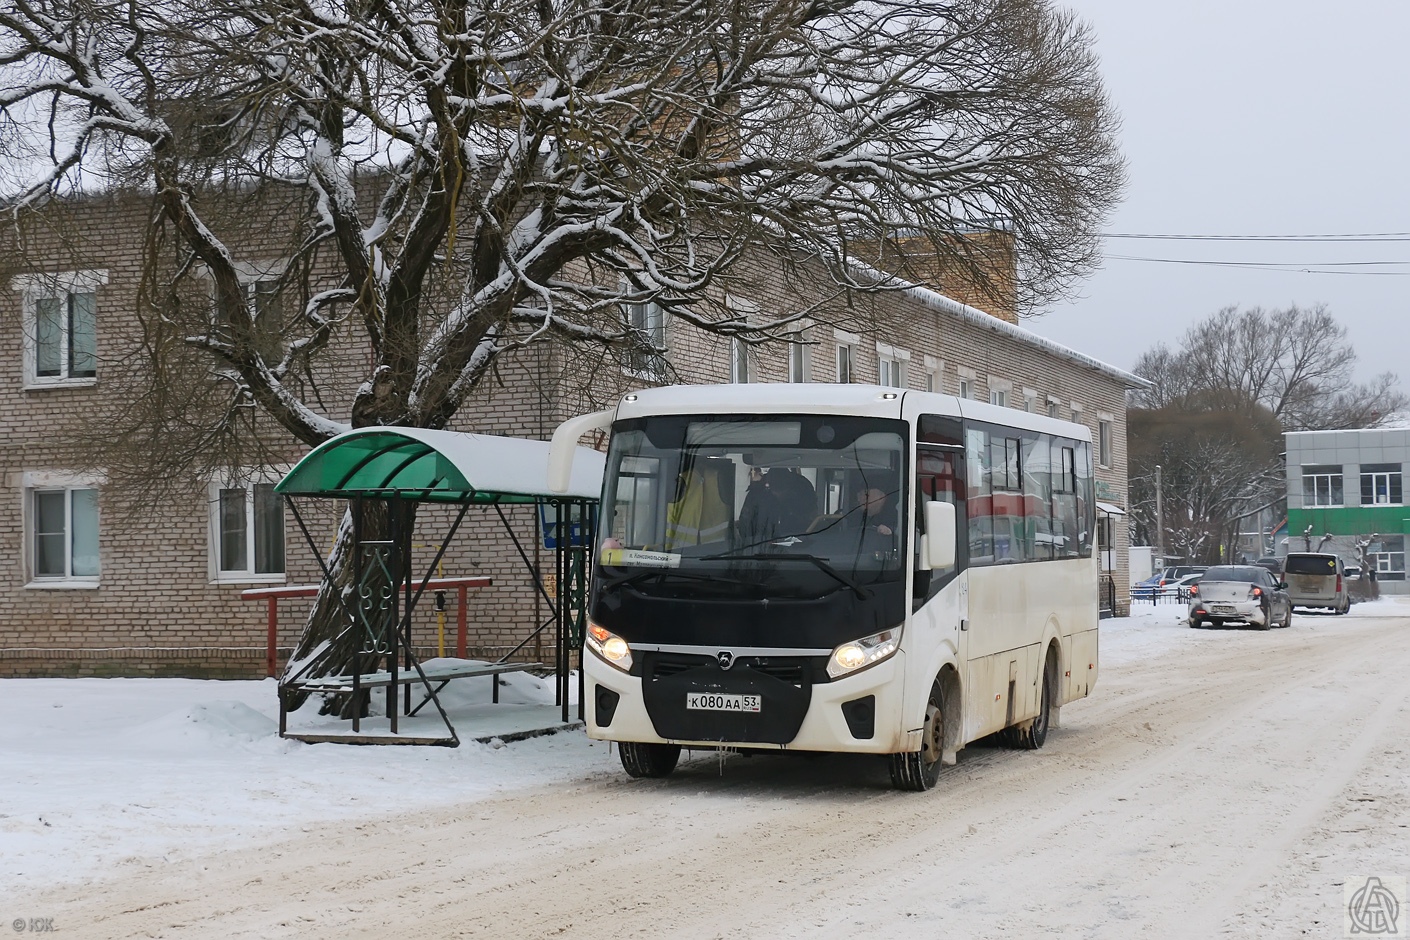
x=871, y=512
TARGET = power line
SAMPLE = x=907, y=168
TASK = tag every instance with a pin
x=1284, y=267
x=1326, y=237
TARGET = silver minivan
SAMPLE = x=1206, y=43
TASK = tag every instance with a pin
x=1317, y=579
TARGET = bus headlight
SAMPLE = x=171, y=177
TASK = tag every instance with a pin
x=609, y=646
x=868, y=651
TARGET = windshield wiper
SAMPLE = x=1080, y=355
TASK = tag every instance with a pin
x=861, y=592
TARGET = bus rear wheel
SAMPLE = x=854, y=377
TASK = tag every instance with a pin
x=1031, y=735
x=648, y=760
x=917, y=771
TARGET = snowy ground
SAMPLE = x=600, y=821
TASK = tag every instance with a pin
x=102, y=774
x=1217, y=783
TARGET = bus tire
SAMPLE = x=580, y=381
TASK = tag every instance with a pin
x=648, y=760
x=1031, y=735
x=917, y=771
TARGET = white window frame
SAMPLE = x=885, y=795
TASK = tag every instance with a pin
x=48, y=481
x=641, y=362
x=1030, y=399
x=847, y=344
x=1053, y=403
x=246, y=480
x=999, y=391
x=934, y=374
x=969, y=383
x=1104, y=441
x=892, y=366
x=1378, y=475
x=61, y=286
x=742, y=365
x=1318, y=490
x=800, y=356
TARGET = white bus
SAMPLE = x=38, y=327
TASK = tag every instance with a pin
x=843, y=568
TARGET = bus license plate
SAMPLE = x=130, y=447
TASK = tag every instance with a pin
x=718, y=702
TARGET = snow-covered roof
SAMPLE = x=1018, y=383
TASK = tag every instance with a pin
x=438, y=466
x=978, y=317
x=938, y=301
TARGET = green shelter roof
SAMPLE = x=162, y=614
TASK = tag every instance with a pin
x=438, y=466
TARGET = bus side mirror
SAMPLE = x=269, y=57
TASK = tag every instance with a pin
x=937, y=549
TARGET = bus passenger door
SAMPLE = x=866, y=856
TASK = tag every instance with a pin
x=940, y=596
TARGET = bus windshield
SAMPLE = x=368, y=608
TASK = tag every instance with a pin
x=776, y=505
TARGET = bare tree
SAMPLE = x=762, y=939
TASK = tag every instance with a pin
x=477, y=177
x=1296, y=362
x=1216, y=469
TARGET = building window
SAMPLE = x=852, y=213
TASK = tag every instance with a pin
x=647, y=322
x=799, y=358
x=1104, y=443
x=60, y=314
x=1052, y=408
x=891, y=365
x=999, y=396
x=63, y=528
x=846, y=362
x=739, y=370
x=966, y=388
x=1321, y=486
x=1389, y=562
x=247, y=527
x=1030, y=400
x=1381, y=485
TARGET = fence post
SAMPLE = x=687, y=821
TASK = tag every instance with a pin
x=271, y=644
x=460, y=627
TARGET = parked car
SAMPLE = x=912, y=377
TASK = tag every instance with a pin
x=1246, y=593
x=1181, y=586
x=1145, y=590
x=1161, y=583
x=1273, y=563
x=1317, y=579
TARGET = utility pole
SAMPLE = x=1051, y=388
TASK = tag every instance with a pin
x=1159, y=518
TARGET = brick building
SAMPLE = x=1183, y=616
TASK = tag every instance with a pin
x=94, y=584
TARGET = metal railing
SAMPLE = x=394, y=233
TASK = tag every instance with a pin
x=1158, y=595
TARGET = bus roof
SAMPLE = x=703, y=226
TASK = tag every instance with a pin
x=813, y=398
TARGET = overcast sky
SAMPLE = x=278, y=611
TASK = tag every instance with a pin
x=1252, y=118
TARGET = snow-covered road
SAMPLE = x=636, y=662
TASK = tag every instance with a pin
x=1217, y=783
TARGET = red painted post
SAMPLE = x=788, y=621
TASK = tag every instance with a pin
x=460, y=628
x=271, y=650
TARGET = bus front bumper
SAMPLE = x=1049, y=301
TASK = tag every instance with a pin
x=860, y=713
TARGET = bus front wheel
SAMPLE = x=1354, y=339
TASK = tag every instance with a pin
x=918, y=771
x=648, y=760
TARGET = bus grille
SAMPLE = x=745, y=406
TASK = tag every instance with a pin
x=791, y=669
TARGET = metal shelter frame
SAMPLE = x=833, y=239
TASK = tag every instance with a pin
x=401, y=468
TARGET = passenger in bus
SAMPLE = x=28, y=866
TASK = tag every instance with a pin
x=779, y=503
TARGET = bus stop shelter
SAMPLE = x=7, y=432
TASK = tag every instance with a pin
x=385, y=474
